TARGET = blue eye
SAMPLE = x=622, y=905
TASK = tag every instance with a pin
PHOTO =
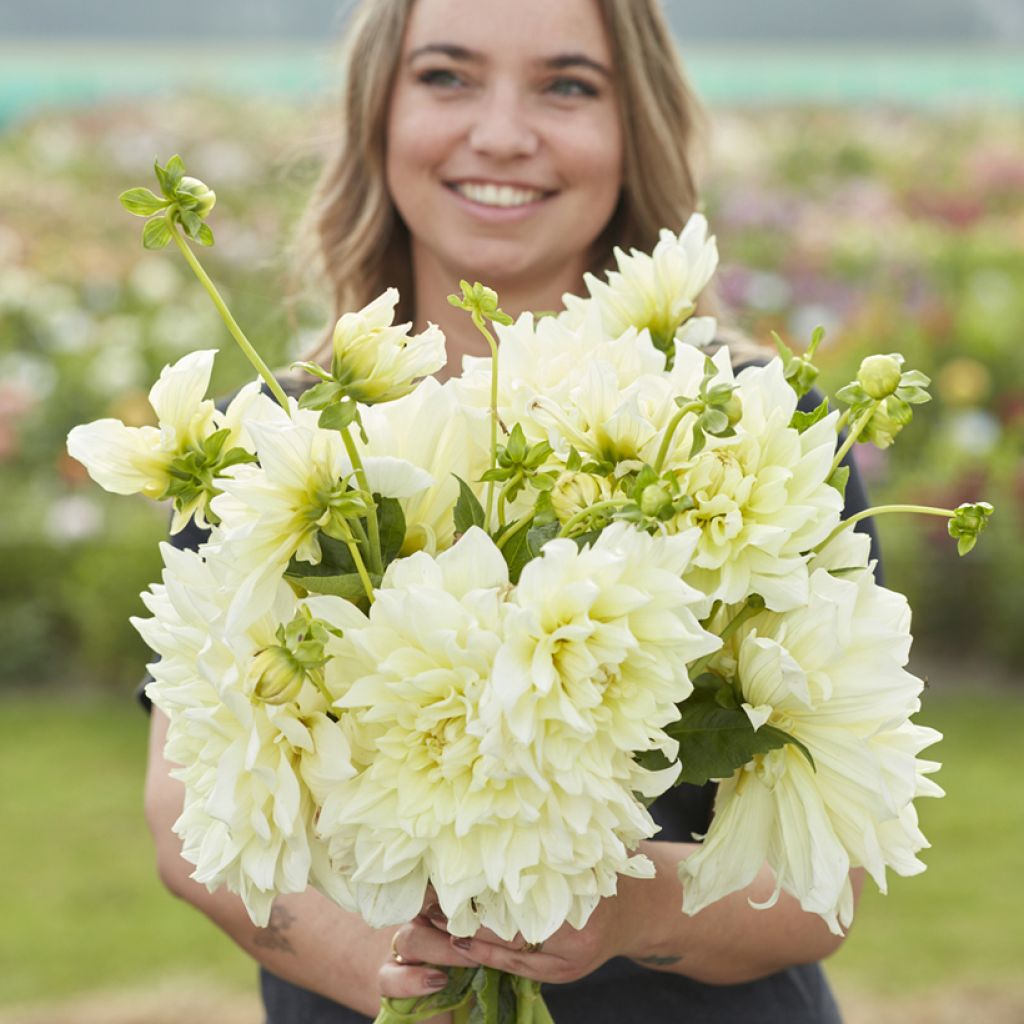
x=442, y=78
x=571, y=87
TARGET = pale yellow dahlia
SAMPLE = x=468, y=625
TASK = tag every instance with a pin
x=247, y=822
x=831, y=674
x=761, y=497
x=509, y=846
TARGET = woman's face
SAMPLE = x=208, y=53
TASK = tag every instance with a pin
x=504, y=153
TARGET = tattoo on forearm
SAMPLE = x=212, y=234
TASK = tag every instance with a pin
x=659, y=961
x=273, y=937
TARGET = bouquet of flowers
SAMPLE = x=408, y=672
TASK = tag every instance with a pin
x=460, y=636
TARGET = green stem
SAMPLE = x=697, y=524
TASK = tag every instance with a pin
x=670, y=432
x=881, y=510
x=353, y=550
x=521, y=525
x=503, y=496
x=754, y=606
x=236, y=332
x=843, y=420
x=482, y=328
x=851, y=438
x=586, y=513
x=372, y=522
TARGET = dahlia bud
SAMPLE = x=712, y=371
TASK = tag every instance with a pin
x=880, y=375
x=279, y=676
x=202, y=194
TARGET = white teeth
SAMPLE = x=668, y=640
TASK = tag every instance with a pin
x=498, y=195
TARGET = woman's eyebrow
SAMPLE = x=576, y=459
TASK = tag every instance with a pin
x=575, y=60
x=451, y=50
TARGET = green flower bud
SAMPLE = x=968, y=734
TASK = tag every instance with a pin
x=279, y=676
x=880, y=375
x=654, y=499
x=733, y=409
x=203, y=195
x=574, y=492
x=889, y=419
x=968, y=521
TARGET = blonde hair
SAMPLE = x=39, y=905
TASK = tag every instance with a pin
x=359, y=240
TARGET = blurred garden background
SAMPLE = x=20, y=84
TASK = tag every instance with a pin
x=869, y=187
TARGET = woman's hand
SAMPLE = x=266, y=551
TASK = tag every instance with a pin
x=568, y=955
x=418, y=953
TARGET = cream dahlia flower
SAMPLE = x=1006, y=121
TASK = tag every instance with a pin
x=596, y=641
x=831, y=674
x=247, y=818
x=761, y=497
x=274, y=512
x=506, y=847
x=430, y=429
x=138, y=460
x=377, y=361
x=654, y=291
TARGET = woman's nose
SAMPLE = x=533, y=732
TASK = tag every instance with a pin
x=503, y=128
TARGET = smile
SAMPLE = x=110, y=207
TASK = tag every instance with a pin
x=503, y=196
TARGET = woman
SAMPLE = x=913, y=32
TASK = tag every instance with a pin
x=514, y=144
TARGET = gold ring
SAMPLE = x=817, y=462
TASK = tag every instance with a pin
x=395, y=955
x=532, y=947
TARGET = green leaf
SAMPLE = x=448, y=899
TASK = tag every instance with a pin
x=314, y=370
x=715, y=741
x=175, y=170
x=783, y=738
x=537, y=536
x=204, y=236
x=392, y=527
x=839, y=479
x=801, y=421
x=347, y=585
x=468, y=510
x=141, y=202
x=319, y=396
x=156, y=234
x=516, y=447
x=190, y=222
x=339, y=415
x=516, y=554
x=335, y=560
x=166, y=184
x=574, y=462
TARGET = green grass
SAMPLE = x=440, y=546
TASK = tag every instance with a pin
x=83, y=909
x=962, y=921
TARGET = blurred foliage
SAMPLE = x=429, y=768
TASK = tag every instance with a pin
x=901, y=232
x=896, y=231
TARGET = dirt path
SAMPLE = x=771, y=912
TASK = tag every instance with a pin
x=172, y=1005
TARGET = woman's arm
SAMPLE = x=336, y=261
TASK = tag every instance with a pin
x=727, y=943
x=310, y=941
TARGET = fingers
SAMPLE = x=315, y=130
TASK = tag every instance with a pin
x=540, y=965
x=423, y=949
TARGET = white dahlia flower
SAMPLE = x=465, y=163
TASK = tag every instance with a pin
x=431, y=429
x=596, y=641
x=274, y=512
x=655, y=291
x=761, y=497
x=506, y=847
x=831, y=674
x=377, y=361
x=138, y=460
x=247, y=822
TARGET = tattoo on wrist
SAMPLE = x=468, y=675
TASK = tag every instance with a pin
x=658, y=961
x=273, y=937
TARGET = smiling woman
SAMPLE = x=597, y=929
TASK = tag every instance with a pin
x=516, y=144
x=512, y=143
